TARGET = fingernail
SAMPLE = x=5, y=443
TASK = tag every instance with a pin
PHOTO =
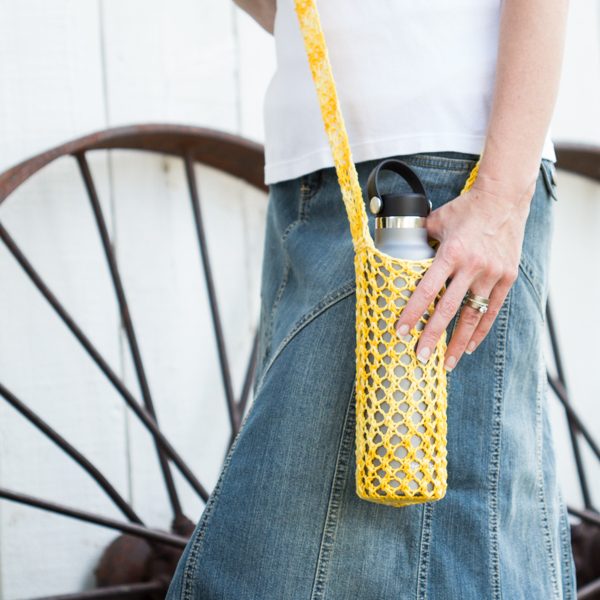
x=470, y=348
x=424, y=354
x=402, y=330
x=450, y=362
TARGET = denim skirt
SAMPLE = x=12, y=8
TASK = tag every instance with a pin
x=284, y=521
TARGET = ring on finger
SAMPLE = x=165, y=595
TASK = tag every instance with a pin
x=479, y=303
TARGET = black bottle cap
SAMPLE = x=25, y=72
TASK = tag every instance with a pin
x=409, y=204
x=401, y=204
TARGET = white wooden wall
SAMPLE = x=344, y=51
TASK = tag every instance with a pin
x=69, y=67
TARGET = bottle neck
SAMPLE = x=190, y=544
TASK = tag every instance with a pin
x=405, y=222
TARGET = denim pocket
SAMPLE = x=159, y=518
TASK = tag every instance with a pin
x=310, y=183
x=535, y=254
x=549, y=175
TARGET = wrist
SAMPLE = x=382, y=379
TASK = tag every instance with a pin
x=514, y=191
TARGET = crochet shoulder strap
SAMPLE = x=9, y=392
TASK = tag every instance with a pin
x=318, y=58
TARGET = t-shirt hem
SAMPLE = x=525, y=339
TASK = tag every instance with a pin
x=322, y=158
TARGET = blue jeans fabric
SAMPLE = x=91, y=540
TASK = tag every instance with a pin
x=284, y=521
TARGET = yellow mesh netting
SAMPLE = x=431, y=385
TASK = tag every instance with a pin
x=400, y=403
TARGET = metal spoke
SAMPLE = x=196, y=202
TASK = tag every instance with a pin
x=132, y=528
x=572, y=426
x=234, y=416
x=129, y=591
x=139, y=411
x=589, y=591
x=562, y=396
x=589, y=516
x=127, y=324
x=70, y=450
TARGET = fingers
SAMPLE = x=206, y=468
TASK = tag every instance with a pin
x=486, y=278
x=497, y=298
x=446, y=308
x=424, y=294
x=469, y=319
x=472, y=325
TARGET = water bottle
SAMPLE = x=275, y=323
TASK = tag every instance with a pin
x=400, y=223
x=400, y=216
x=400, y=441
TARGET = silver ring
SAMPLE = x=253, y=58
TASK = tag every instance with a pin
x=479, y=303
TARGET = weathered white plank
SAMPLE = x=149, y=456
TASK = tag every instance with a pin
x=170, y=62
x=256, y=66
x=576, y=116
x=44, y=365
x=186, y=58
x=51, y=75
x=52, y=91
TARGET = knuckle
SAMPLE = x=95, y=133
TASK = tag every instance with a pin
x=478, y=263
x=454, y=250
x=446, y=310
x=492, y=313
x=510, y=275
x=471, y=317
x=495, y=271
x=425, y=288
x=429, y=340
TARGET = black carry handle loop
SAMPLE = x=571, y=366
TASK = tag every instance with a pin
x=402, y=169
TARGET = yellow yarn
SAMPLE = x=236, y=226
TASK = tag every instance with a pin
x=400, y=403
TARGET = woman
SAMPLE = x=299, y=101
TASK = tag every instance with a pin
x=434, y=86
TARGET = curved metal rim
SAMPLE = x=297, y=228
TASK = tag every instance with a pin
x=233, y=154
x=580, y=159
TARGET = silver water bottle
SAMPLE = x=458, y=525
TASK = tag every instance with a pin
x=400, y=216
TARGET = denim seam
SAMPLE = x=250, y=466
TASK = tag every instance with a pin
x=306, y=194
x=549, y=180
x=495, y=441
x=528, y=272
x=565, y=540
x=334, y=505
x=550, y=554
x=329, y=300
x=188, y=580
x=529, y=282
x=454, y=165
x=424, y=551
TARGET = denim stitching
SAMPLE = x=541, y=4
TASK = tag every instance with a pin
x=550, y=563
x=334, y=505
x=496, y=435
x=455, y=165
x=307, y=192
x=329, y=300
x=528, y=271
x=530, y=284
x=424, y=553
x=565, y=540
x=188, y=579
x=549, y=180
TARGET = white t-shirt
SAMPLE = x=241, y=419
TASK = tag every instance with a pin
x=411, y=75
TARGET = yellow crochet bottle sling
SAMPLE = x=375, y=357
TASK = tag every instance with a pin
x=400, y=403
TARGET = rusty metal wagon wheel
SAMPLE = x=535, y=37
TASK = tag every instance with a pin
x=152, y=554
x=140, y=562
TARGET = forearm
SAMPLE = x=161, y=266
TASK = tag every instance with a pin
x=530, y=55
x=262, y=11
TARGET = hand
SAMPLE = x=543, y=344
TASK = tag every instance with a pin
x=481, y=237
